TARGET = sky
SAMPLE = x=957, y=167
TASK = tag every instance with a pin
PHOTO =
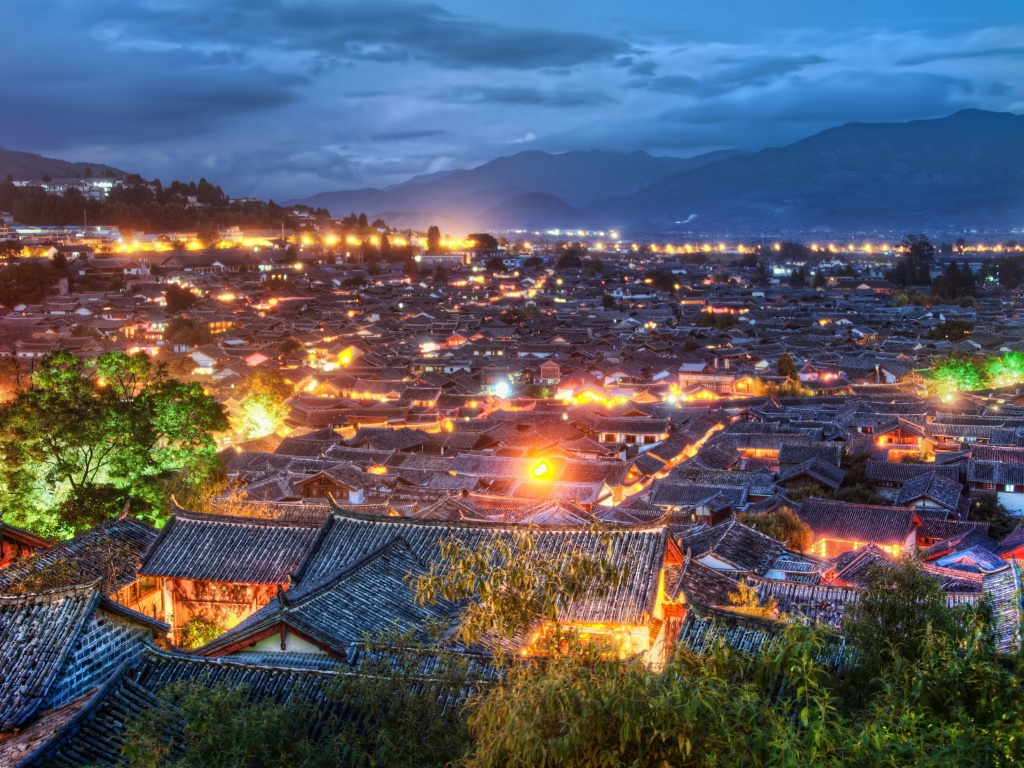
x=285, y=98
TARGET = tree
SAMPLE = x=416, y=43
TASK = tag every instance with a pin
x=782, y=525
x=495, y=264
x=901, y=604
x=797, y=278
x=953, y=330
x=959, y=373
x=80, y=442
x=264, y=406
x=819, y=280
x=208, y=234
x=662, y=280
x=532, y=262
x=434, y=240
x=507, y=584
x=745, y=600
x=440, y=275
x=569, y=260
x=187, y=332
x=483, y=241
x=786, y=367
x=179, y=299
x=26, y=283
x=986, y=508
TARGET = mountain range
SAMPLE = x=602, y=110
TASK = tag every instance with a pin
x=957, y=172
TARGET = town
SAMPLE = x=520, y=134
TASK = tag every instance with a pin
x=727, y=440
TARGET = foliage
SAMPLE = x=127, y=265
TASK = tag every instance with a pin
x=715, y=320
x=434, y=240
x=662, y=280
x=225, y=727
x=406, y=718
x=569, y=260
x=953, y=330
x=26, y=283
x=986, y=508
x=788, y=388
x=495, y=264
x=532, y=262
x=198, y=631
x=1005, y=369
x=266, y=381
x=260, y=415
x=952, y=702
x=912, y=297
x=786, y=367
x=178, y=299
x=483, y=241
x=187, y=332
x=960, y=373
x=782, y=525
x=511, y=583
x=914, y=267
x=138, y=206
x=901, y=604
x=745, y=600
x=79, y=443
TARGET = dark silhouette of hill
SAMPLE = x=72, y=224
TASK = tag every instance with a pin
x=468, y=199
x=25, y=166
x=965, y=170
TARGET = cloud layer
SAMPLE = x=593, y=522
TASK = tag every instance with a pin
x=283, y=98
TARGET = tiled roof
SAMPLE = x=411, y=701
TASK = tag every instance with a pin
x=736, y=544
x=235, y=550
x=37, y=632
x=350, y=537
x=858, y=522
x=896, y=472
x=932, y=486
x=364, y=597
x=111, y=551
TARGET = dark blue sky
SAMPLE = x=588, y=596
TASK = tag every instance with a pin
x=284, y=98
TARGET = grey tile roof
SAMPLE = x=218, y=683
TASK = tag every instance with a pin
x=235, y=550
x=350, y=537
x=37, y=632
x=111, y=551
x=365, y=597
x=858, y=522
x=734, y=543
x=933, y=486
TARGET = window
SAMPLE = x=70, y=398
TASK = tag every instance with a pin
x=1008, y=488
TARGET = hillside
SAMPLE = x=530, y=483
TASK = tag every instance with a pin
x=961, y=171
x=505, y=190
x=25, y=166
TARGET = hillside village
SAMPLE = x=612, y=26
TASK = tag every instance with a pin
x=648, y=404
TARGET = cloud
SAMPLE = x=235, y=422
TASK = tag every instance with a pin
x=1015, y=51
x=284, y=97
x=526, y=96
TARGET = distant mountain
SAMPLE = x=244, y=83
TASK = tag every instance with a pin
x=965, y=170
x=504, y=192
x=24, y=166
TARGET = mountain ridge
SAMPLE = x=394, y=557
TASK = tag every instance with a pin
x=951, y=172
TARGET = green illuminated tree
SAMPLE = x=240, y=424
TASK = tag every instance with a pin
x=81, y=442
x=959, y=374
